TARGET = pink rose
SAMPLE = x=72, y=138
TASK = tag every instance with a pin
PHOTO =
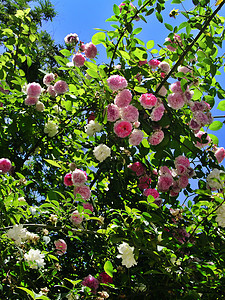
x=78, y=60
x=5, y=165
x=138, y=168
x=88, y=206
x=91, y=282
x=105, y=278
x=220, y=154
x=34, y=89
x=76, y=218
x=157, y=113
x=156, y=137
x=123, y=98
x=30, y=100
x=148, y=100
x=129, y=113
x=68, y=179
x=122, y=128
x=83, y=190
x=48, y=78
x=183, y=182
x=136, y=137
x=182, y=160
x=79, y=177
x=116, y=82
x=113, y=113
x=61, y=87
x=176, y=100
x=153, y=192
x=51, y=91
x=90, y=50
x=165, y=182
x=153, y=63
x=60, y=246
x=144, y=182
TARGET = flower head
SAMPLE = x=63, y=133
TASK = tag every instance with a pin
x=101, y=152
x=122, y=128
x=78, y=60
x=34, y=258
x=148, y=100
x=123, y=98
x=90, y=50
x=83, y=190
x=116, y=82
x=91, y=282
x=60, y=246
x=61, y=87
x=126, y=255
x=71, y=38
x=51, y=128
x=5, y=165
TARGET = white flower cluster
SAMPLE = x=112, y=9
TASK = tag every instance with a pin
x=126, y=255
x=19, y=234
x=214, y=180
x=101, y=152
x=35, y=259
x=92, y=127
x=51, y=128
x=220, y=219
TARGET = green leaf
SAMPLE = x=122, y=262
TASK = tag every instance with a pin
x=29, y=292
x=29, y=61
x=116, y=10
x=74, y=282
x=214, y=138
x=168, y=26
x=176, y=2
x=150, y=44
x=53, y=163
x=221, y=105
x=140, y=89
x=32, y=37
x=92, y=73
x=108, y=267
x=98, y=38
x=65, y=52
x=216, y=125
x=137, y=30
x=159, y=17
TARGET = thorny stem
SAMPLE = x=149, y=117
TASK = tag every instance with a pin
x=189, y=48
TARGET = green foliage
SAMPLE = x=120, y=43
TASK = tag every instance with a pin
x=156, y=241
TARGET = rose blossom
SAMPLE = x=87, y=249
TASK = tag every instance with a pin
x=182, y=160
x=156, y=137
x=34, y=259
x=48, y=78
x=79, y=177
x=123, y=98
x=218, y=183
x=78, y=60
x=105, y=278
x=83, y=190
x=220, y=154
x=176, y=87
x=116, y=82
x=71, y=38
x=88, y=206
x=90, y=50
x=122, y=128
x=60, y=87
x=144, y=182
x=51, y=91
x=142, y=62
x=183, y=182
x=129, y=113
x=68, y=179
x=220, y=218
x=165, y=182
x=183, y=69
x=101, y=152
x=51, y=128
x=153, y=192
x=123, y=4
x=126, y=255
x=136, y=137
x=148, y=100
x=163, y=91
x=157, y=113
x=76, y=218
x=176, y=100
x=153, y=63
x=60, y=246
x=199, y=135
x=92, y=127
x=34, y=89
x=91, y=282
x=138, y=168
x=30, y=100
x=201, y=118
x=113, y=113
x=40, y=106
x=164, y=66
x=194, y=125
x=176, y=40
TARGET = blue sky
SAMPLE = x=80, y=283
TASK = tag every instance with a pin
x=83, y=16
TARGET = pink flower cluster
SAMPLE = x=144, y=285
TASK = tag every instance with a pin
x=154, y=63
x=33, y=91
x=219, y=154
x=5, y=165
x=178, y=98
x=201, y=115
x=76, y=218
x=177, y=41
x=176, y=180
x=199, y=136
x=149, y=101
x=125, y=115
x=156, y=137
x=145, y=181
x=91, y=282
x=89, y=50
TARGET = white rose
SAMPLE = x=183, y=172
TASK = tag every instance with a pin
x=51, y=129
x=101, y=152
x=92, y=127
x=214, y=181
x=35, y=259
x=220, y=219
x=40, y=106
x=126, y=255
x=18, y=234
